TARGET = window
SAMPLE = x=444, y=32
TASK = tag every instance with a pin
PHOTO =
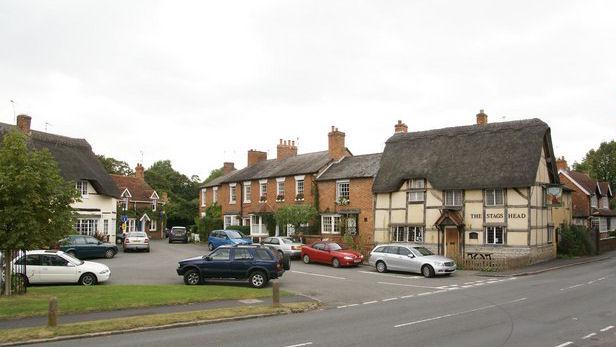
x=494, y=197
x=82, y=187
x=53, y=260
x=231, y=220
x=106, y=226
x=279, y=189
x=203, y=197
x=407, y=234
x=155, y=202
x=214, y=195
x=153, y=225
x=319, y=246
x=86, y=226
x=232, y=194
x=342, y=192
x=453, y=198
x=79, y=240
x=351, y=224
x=417, y=190
x=593, y=201
x=594, y=223
x=125, y=203
x=30, y=260
x=604, y=202
x=419, y=183
x=299, y=188
x=495, y=235
x=473, y=236
x=242, y=254
x=404, y=251
x=263, y=254
x=131, y=224
x=246, y=221
x=330, y=224
x=91, y=240
x=416, y=196
x=263, y=190
x=247, y=192
x=550, y=237
x=602, y=225
x=221, y=254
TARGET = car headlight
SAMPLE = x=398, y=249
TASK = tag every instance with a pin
x=439, y=263
x=106, y=271
x=348, y=258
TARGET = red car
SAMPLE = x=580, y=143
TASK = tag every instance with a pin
x=330, y=253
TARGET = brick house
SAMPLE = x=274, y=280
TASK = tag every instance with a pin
x=469, y=189
x=251, y=195
x=140, y=205
x=590, y=199
x=346, y=201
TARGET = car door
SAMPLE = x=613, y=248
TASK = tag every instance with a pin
x=80, y=247
x=393, y=260
x=31, y=265
x=216, y=238
x=321, y=254
x=217, y=264
x=55, y=269
x=415, y=262
x=408, y=261
x=95, y=249
x=242, y=261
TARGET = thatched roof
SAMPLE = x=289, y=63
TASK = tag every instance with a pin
x=301, y=164
x=495, y=155
x=360, y=166
x=74, y=157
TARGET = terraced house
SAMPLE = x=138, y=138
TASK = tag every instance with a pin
x=469, y=190
x=251, y=195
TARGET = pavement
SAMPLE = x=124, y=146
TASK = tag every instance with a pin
x=554, y=264
x=573, y=306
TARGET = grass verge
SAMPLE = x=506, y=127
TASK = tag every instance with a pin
x=80, y=299
x=119, y=325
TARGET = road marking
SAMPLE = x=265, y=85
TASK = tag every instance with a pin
x=407, y=296
x=300, y=344
x=344, y=306
x=571, y=287
x=390, y=299
x=426, y=293
x=319, y=275
x=408, y=285
x=589, y=336
x=369, y=302
x=457, y=314
x=607, y=328
x=390, y=275
x=352, y=305
x=466, y=287
x=565, y=344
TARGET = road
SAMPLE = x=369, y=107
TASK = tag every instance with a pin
x=569, y=307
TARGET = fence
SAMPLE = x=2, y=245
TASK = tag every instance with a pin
x=13, y=278
x=493, y=265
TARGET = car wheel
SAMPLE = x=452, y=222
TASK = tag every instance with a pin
x=381, y=266
x=336, y=263
x=192, y=277
x=258, y=279
x=280, y=254
x=169, y=240
x=109, y=254
x=147, y=250
x=286, y=262
x=87, y=279
x=306, y=259
x=210, y=246
x=427, y=271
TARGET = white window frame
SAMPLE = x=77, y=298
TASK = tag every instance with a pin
x=154, y=204
x=593, y=201
x=280, y=188
x=106, y=226
x=86, y=226
x=605, y=202
x=417, y=190
x=298, y=180
x=340, y=184
x=153, y=225
x=262, y=190
x=125, y=203
x=232, y=193
x=82, y=187
x=453, y=193
x=333, y=221
x=247, y=192
x=203, y=195
x=491, y=197
x=214, y=195
x=550, y=237
x=417, y=183
x=131, y=224
x=404, y=233
x=493, y=230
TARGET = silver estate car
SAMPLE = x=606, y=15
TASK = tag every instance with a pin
x=283, y=245
x=410, y=258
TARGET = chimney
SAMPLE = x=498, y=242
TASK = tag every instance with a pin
x=139, y=171
x=401, y=127
x=482, y=118
x=286, y=149
x=336, y=147
x=561, y=164
x=255, y=156
x=23, y=123
x=227, y=168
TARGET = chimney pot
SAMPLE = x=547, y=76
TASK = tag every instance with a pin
x=482, y=118
x=23, y=123
x=561, y=164
x=400, y=127
x=139, y=171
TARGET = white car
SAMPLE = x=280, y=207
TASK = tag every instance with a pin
x=283, y=245
x=136, y=240
x=49, y=266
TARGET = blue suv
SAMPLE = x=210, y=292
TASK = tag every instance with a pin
x=253, y=262
x=218, y=238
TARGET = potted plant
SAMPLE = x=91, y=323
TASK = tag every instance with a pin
x=299, y=197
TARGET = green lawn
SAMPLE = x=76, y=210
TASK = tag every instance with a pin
x=79, y=299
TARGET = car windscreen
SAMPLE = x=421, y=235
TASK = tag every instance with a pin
x=287, y=241
x=233, y=234
x=73, y=259
x=423, y=251
x=178, y=231
x=334, y=247
x=139, y=234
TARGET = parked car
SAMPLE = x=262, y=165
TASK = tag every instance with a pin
x=178, y=234
x=83, y=246
x=45, y=266
x=136, y=240
x=218, y=238
x=330, y=253
x=410, y=258
x=253, y=262
x=283, y=245
x=120, y=236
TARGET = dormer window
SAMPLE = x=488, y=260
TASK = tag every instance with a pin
x=417, y=190
x=82, y=187
x=154, y=203
x=593, y=201
x=125, y=203
x=453, y=198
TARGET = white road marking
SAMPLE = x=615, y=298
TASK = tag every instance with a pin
x=352, y=305
x=426, y=293
x=571, y=287
x=589, y=336
x=466, y=287
x=319, y=275
x=565, y=344
x=458, y=313
x=607, y=328
x=344, y=306
x=390, y=275
x=408, y=285
x=369, y=302
x=301, y=344
x=250, y=301
x=390, y=299
x=407, y=296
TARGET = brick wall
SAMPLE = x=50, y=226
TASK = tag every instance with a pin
x=580, y=201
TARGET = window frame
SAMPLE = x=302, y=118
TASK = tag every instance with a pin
x=339, y=190
x=453, y=196
x=334, y=223
x=247, y=187
x=203, y=195
x=494, y=230
x=232, y=193
x=82, y=187
x=263, y=190
x=492, y=193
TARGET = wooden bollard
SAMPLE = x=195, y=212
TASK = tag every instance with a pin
x=275, y=294
x=52, y=314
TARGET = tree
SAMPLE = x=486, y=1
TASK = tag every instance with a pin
x=600, y=164
x=295, y=215
x=211, y=221
x=35, y=200
x=114, y=166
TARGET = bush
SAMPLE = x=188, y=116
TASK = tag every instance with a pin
x=574, y=241
x=244, y=229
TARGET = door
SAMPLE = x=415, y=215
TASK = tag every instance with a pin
x=55, y=269
x=32, y=269
x=408, y=260
x=319, y=253
x=94, y=247
x=452, y=242
x=393, y=260
x=242, y=261
x=218, y=264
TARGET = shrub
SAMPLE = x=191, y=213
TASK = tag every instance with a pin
x=244, y=229
x=574, y=241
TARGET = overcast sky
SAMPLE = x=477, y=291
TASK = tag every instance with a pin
x=202, y=82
